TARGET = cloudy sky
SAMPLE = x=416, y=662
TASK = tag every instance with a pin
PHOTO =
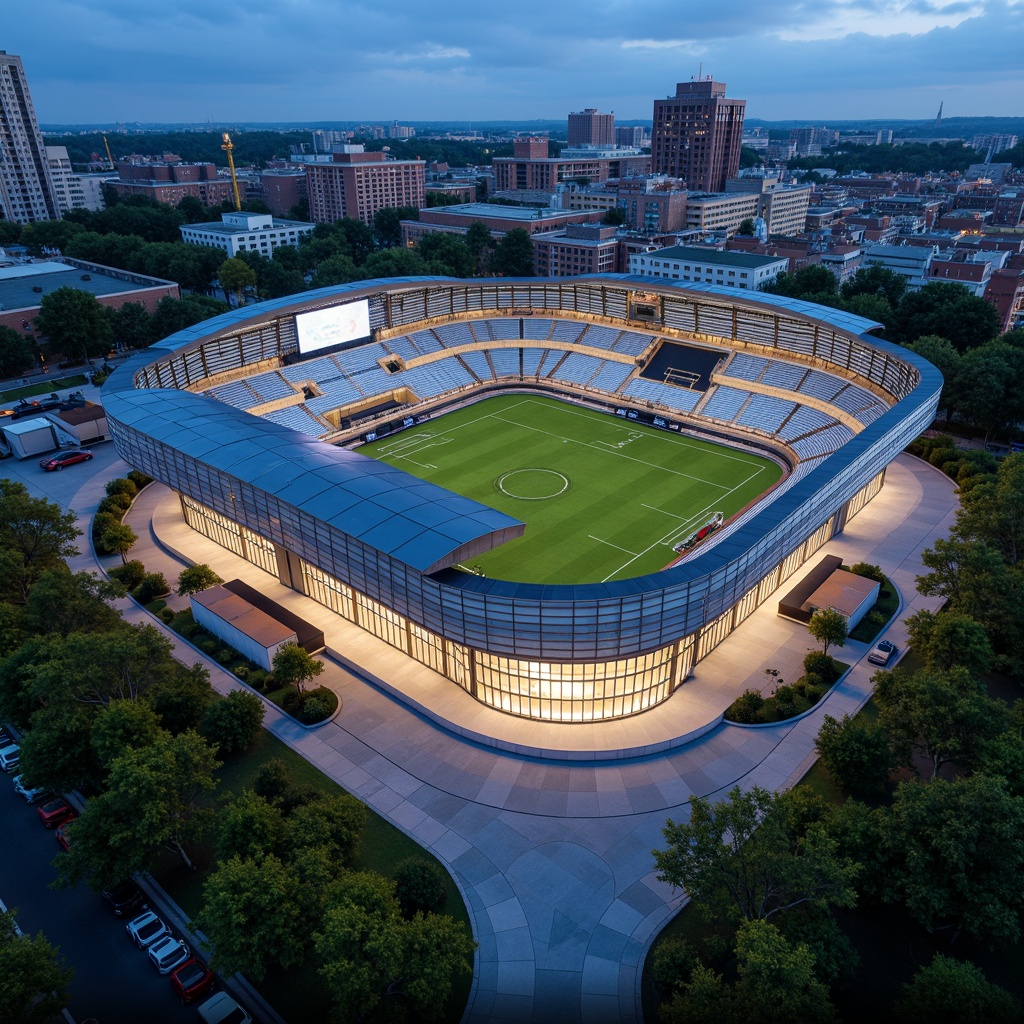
x=358, y=60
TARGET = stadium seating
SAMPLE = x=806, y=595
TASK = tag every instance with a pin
x=632, y=344
x=403, y=346
x=821, y=385
x=506, y=361
x=822, y=442
x=269, y=386
x=567, y=331
x=680, y=399
x=783, y=375
x=453, y=334
x=478, y=365
x=532, y=358
x=426, y=341
x=765, y=413
x=803, y=421
x=746, y=367
x=297, y=418
x=599, y=336
x=724, y=403
x=235, y=393
x=538, y=329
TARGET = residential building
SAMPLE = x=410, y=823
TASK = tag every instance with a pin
x=497, y=219
x=92, y=188
x=709, y=266
x=632, y=136
x=842, y=260
x=67, y=186
x=993, y=144
x=169, y=181
x=697, y=135
x=530, y=167
x=401, y=131
x=444, y=191
x=589, y=128
x=27, y=191
x=783, y=207
x=651, y=203
x=357, y=184
x=246, y=232
x=282, y=189
x=576, y=249
x=719, y=212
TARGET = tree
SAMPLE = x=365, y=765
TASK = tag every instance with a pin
x=172, y=315
x=946, y=715
x=152, y=801
x=335, y=270
x=181, y=697
x=858, y=756
x=131, y=325
x=436, y=949
x=234, y=276
x=994, y=512
x=123, y=725
x=947, y=309
x=876, y=281
x=63, y=602
x=332, y=823
x=387, y=227
x=35, y=978
x=957, y=993
x=16, y=352
x=196, y=578
x=750, y=857
x=947, y=640
x=478, y=238
x=829, y=628
x=944, y=357
x=449, y=254
x=118, y=539
x=616, y=217
x=393, y=262
x=75, y=323
x=9, y=232
x=420, y=885
x=294, y=666
x=36, y=534
x=232, y=724
x=970, y=575
x=988, y=387
x=248, y=828
x=252, y=915
x=513, y=255
x=746, y=227
x=956, y=854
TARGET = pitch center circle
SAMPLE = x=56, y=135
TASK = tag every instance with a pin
x=532, y=484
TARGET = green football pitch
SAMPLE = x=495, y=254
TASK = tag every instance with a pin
x=603, y=498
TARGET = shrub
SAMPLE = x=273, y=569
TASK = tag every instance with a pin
x=812, y=681
x=189, y=630
x=208, y=645
x=272, y=781
x=103, y=521
x=139, y=479
x=167, y=615
x=115, y=504
x=291, y=701
x=121, y=485
x=315, y=709
x=240, y=669
x=785, y=700
x=420, y=885
x=821, y=665
x=257, y=679
x=674, y=961
x=153, y=585
x=131, y=574
x=746, y=707
x=234, y=722
x=871, y=572
x=225, y=655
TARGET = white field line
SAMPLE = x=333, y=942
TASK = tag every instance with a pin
x=590, y=536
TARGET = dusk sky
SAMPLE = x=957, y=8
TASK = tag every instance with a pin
x=316, y=60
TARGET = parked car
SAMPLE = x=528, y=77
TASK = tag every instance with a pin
x=55, y=812
x=63, y=835
x=124, y=897
x=61, y=459
x=145, y=929
x=192, y=980
x=168, y=953
x=222, y=1009
x=882, y=653
x=10, y=756
x=31, y=795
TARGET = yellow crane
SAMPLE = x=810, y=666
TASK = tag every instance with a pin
x=228, y=146
x=109, y=157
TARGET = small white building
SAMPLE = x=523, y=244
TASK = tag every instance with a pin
x=246, y=232
x=709, y=266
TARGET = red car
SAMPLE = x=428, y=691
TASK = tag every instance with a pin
x=63, y=835
x=61, y=459
x=54, y=813
x=192, y=980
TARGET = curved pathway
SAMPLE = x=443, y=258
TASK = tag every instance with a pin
x=553, y=856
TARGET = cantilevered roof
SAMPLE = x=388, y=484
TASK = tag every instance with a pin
x=413, y=521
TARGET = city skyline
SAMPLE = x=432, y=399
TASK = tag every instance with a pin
x=308, y=60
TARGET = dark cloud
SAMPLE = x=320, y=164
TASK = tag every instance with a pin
x=312, y=59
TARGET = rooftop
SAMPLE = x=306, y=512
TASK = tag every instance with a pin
x=747, y=260
x=489, y=211
x=18, y=284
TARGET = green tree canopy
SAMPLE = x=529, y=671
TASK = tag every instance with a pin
x=947, y=309
x=232, y=724
x=955, y=992
x=857, y=755
x=74, y=323
x=196, y=578
x=294, y=666
x=829, y=628
x=944, y=357
x=947, y=640
x=35, y=978
x=131, y=325
x=234, y=276
x=387, y=227
x=513, y=255
x=876, y=281
x=750, y=857
x=16, y=352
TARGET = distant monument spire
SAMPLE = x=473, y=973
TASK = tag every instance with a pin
x=938, y=119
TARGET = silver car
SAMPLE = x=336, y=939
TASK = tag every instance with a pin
x=167, y=953
x=145, y=929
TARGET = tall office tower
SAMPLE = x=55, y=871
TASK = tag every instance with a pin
x=589, y=128
x=697, y=135
x=26, y=189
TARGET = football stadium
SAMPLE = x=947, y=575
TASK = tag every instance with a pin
x=558, y=494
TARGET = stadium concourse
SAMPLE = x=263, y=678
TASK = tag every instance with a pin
x=549, y=840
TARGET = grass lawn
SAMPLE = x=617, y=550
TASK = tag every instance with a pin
x=602, y=497
x=300, y=995
x=43, y=387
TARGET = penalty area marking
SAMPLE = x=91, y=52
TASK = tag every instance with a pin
x=502, y=482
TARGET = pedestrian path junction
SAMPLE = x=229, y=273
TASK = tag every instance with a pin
x=548, y=828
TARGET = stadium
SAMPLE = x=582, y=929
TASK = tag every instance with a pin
x=559, y=494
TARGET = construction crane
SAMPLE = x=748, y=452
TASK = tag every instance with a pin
x=228, y=146
x=109, y=157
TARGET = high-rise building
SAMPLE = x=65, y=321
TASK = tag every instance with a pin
x=26, y=187
x=633, y=136
x=357, y=184
x=67, y=185
x=589, y=128
x=697, y=135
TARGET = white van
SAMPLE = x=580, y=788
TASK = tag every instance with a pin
x=9, y=757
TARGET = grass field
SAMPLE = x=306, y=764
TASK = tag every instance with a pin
x=603, y=498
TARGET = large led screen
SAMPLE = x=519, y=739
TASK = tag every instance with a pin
x=325, y=328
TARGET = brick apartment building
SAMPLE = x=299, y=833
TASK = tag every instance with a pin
x=531, y=168
x=169, y=182
x=589, y=128
x=357, y=184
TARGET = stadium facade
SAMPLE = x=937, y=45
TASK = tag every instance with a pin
x=212, y=412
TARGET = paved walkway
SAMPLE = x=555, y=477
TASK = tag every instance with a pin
x=553, y=852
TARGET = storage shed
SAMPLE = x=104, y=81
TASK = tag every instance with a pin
x=235, y=621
